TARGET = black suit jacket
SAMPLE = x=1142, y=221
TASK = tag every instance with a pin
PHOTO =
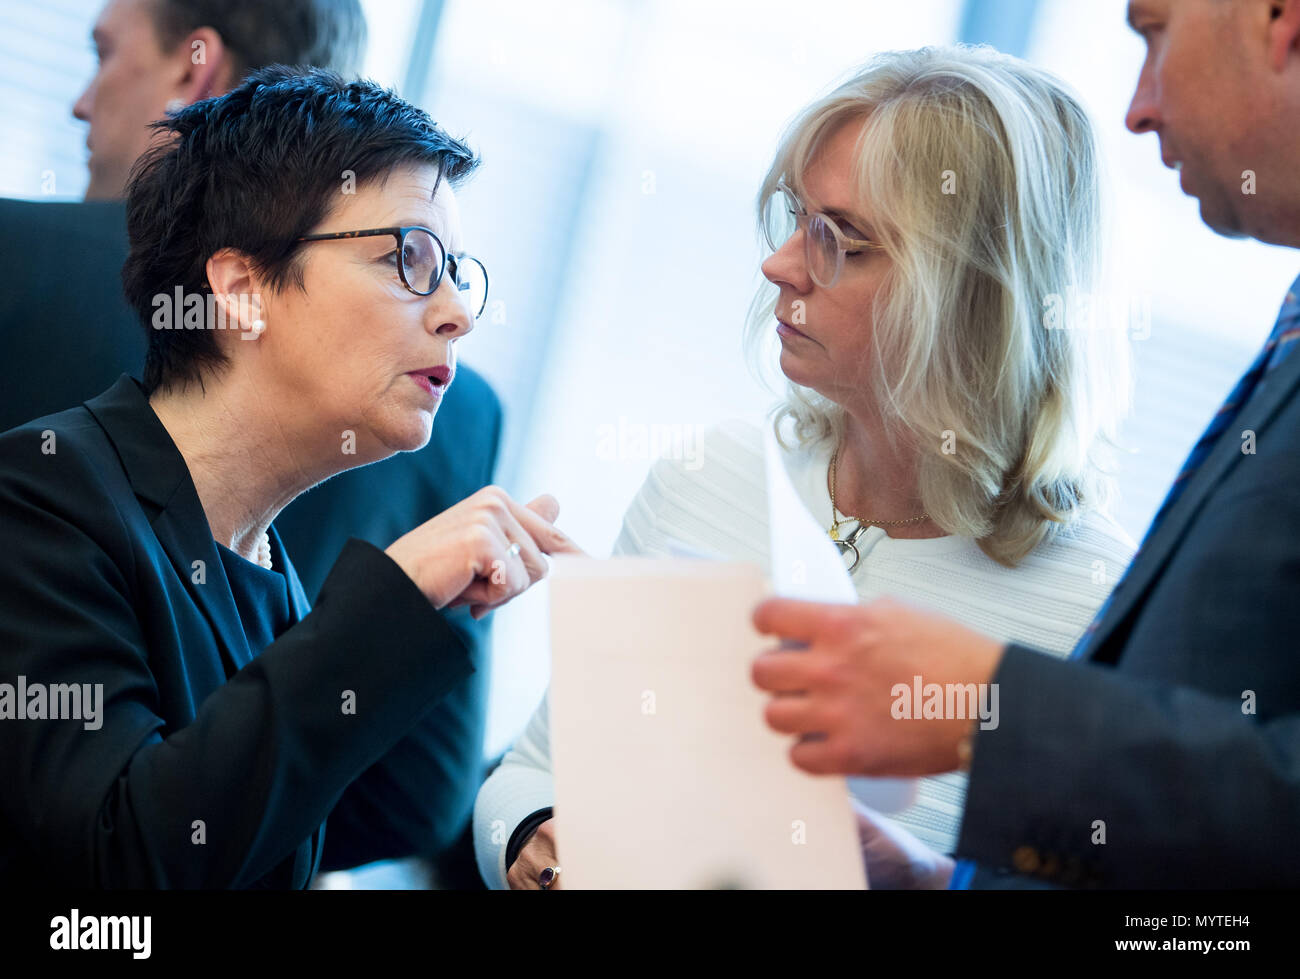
x=68, y=334
x=1177, y=739
x=213, y=766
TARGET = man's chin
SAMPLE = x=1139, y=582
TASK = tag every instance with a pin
x=104, y=185
x=97, y=193
x=1225, y=230
x=1221, y=221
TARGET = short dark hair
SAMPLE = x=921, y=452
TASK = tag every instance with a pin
x=258, y=33
x=254, y=170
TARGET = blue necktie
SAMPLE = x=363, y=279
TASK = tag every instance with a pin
x=1280, y=343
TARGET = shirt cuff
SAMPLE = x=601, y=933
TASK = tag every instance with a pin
x=524, y=832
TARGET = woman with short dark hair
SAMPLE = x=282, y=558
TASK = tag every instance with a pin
x=187, y=721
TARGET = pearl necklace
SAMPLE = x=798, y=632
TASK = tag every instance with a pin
x=264, y=552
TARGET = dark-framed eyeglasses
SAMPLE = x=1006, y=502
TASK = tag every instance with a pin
x=825, y=245
x=422, y=260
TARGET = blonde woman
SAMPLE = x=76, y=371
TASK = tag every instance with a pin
x=921, y=217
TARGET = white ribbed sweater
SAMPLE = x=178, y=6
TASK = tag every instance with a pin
x=716, y=503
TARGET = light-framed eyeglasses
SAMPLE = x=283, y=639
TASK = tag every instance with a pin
x=825, y=245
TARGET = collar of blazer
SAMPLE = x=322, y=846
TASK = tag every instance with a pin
x=1226, y=453
x=158, y=475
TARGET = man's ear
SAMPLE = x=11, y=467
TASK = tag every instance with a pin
x=204, y=66
x=1283, y=33
x=236, y=291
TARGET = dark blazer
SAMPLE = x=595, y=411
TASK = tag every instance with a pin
x=68, y=334
x=1178, y=736
x=200, y=737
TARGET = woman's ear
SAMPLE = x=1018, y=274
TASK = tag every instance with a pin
x=237, y=301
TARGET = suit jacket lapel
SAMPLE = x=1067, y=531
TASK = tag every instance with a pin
x=161, y=479
x=1278, y=388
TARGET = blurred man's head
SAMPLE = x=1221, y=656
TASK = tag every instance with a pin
x=1221, y=89
x=156, y=54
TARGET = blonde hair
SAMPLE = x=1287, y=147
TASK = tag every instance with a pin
x=979, y=175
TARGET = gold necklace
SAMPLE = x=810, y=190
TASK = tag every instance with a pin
x=849, y=545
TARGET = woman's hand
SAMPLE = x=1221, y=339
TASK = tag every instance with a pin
x=535, y=856
x=462, y=556
x=895, y=859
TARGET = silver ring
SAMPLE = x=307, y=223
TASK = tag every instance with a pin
x=514, y=549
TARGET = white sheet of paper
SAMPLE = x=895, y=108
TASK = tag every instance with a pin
x=806, y=565
x=666, y=775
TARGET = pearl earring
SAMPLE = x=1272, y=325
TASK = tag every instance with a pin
x=175, y=105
